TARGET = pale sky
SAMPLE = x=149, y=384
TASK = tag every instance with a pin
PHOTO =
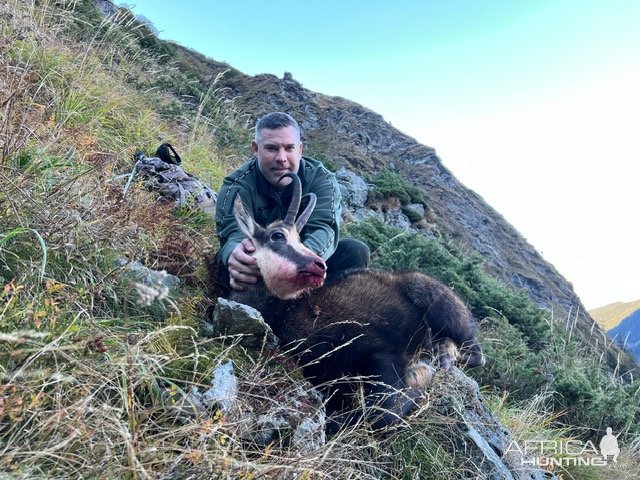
x=533, y=105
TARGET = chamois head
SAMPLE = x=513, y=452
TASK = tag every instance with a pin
x=288, y=268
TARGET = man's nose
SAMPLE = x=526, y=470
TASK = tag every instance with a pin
x=281, y=156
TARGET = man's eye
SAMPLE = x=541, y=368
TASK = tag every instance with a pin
x=289, y=148
x=277, y=237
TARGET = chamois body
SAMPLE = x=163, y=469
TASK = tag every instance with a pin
x=368, y=323
x=381, y=311
x=363, y=323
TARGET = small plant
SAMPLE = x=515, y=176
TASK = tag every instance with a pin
x=391, y=185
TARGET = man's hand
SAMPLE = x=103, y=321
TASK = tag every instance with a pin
x=242, y=266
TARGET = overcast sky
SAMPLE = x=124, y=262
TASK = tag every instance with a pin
x=534, y=105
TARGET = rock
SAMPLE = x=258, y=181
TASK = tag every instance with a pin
x=151, y=285
x=106, y=7
x=416, y=207
x=398, y=219
x=298, y=420
x=233, y=318
x=223, y=393
x=147, y=275
x=353, y=188
x=488, y=441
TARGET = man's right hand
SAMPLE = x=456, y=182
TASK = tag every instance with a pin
x=242, y=266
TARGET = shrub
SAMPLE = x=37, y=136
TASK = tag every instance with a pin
x=389, y=184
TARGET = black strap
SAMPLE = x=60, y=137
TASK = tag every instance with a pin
x=164, y=152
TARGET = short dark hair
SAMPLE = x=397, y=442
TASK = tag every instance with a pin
x=275, y=120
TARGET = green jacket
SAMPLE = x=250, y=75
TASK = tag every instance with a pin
x=266, y=205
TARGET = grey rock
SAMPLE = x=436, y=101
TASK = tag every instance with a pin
x=224, y=387
x=223, y=392
x=268, y=428
x=353, y=188
x=363, y=213
x=223, y=395
x=488, y=441
x=146, y=275
x=297, y=420
x=397, y=219
x=106, y=7
x=417, y=207
x=233, y=318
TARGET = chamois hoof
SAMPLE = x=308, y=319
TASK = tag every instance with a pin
x=447, y=354
x=473, y=357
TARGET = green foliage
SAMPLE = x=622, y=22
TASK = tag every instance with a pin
x=391, y=185
x=512, y=366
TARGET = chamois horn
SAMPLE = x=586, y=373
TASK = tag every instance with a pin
x=290, y=218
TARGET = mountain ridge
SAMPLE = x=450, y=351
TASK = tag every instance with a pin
x=609, y=316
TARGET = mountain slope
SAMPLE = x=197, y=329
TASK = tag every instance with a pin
x=627, y=334
x=103, y=364
x=611, y=315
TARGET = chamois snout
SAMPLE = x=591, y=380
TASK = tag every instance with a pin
x=315, y=271
x=291, y=271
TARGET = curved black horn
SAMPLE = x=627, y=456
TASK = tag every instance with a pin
x=295, y=199
x=304, y=216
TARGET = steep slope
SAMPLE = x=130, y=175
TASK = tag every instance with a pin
x=627, y=334
x=342, y=132
x=611, y=315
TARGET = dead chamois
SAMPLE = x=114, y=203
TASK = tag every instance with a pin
x=364, y=324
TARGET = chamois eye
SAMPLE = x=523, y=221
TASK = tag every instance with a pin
x=277, y=237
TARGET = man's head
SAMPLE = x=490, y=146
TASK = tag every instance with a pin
x=277, y=147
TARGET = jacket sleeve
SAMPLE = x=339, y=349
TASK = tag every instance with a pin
x=229, y=232
x=322, y=231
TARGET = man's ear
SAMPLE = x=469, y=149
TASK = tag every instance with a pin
x=301, y=148
x=254, y=146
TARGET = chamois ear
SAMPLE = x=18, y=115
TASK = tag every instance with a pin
x=245, y=221
x=304, y=216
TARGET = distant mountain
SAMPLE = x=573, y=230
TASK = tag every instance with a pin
x=627, y=334
x=611, y=315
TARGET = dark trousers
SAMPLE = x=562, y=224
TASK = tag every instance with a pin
x=350, y=254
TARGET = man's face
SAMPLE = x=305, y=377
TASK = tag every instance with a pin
x=278, y=152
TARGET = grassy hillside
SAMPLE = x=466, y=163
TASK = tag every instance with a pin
x=611, y=315
x=94, y=373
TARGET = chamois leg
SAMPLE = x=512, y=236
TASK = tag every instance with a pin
x=387, y=398
x=446, y=316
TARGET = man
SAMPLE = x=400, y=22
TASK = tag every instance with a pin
x=277, y=150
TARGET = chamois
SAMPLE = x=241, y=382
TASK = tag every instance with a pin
x=363, y=323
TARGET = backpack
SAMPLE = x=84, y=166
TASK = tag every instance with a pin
x=163, y=174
